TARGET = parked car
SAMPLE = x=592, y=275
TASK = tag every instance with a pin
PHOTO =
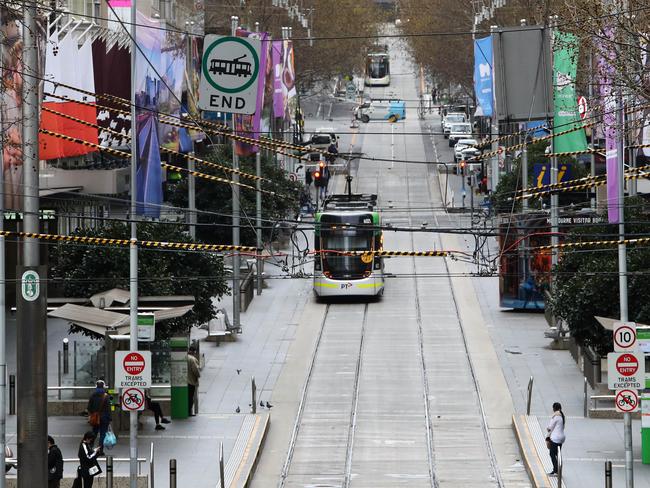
x=449, y=119
x=465, y=144
x=380, y=110
x=323, y=137
x=459, y=131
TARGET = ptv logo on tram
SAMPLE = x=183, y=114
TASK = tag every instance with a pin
x=345, y=286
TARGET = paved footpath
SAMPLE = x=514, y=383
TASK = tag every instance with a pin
x=523, y=352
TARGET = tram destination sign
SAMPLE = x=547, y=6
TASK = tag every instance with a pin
x=230, y=69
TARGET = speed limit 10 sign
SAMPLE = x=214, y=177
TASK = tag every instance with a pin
x=624, y=336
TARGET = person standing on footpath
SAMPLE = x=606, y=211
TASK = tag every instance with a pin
x=88, y=465
x=54, y=464
x=193, y=375
x=99, y=412
x=556, y=435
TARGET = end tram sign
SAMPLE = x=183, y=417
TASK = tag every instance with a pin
x=229, y=73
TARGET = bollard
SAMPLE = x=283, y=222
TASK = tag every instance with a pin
x=59, y=373
x=109, y=471
x=151, y=466
x=530, y=395
x=172, y=473
x=66, y=356
x=585, y=406
x=74, y=362
x=608, y=474
x=253, y=395
x=12, y=394
x=222, y=481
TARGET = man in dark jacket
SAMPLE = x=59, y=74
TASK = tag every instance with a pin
x=100, y=402
x=54, y=464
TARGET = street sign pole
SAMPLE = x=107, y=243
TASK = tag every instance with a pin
x=133, y=254
x=236, y=296
x=258, y=206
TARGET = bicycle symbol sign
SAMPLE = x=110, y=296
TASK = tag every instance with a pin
x=132, y=399
x=627, y=401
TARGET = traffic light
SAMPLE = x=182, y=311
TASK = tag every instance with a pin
x=319, y=174
x=462, y=167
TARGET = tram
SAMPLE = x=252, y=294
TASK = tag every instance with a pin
x=348, y=223
x=378, y=67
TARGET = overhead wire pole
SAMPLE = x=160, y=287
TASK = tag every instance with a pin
x=555, y=197
x=258, y=205
x=236, y=296
x=31, y=300
x=133, y=253
x=3, y=329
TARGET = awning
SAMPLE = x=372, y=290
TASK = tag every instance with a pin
x=110, y=297
x=100, y=321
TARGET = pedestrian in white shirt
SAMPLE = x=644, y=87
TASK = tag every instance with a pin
x=556, y=436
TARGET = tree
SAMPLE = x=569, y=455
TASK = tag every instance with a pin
x=86, y=270
x=214, y=199
x=586, y=280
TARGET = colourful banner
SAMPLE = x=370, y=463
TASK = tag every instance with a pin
x=483, y=76
x=565, y=60
x=278, y=95
x=249, y=125
x=606, y=62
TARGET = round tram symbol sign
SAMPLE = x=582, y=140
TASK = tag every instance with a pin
x=230, y=64
x=30, y=285
x=133, y=364
x=627, y=365
x=133, y=399
x=626, y=400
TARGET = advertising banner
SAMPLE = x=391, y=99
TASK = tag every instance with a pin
x=606, y=72
x=483, y=76
x=250, y=125
x=565, y=61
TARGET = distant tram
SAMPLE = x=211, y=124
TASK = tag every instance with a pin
x=378, y=67
x=348, y=223
x=234, y=67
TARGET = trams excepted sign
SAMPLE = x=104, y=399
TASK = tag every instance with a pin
x=132, y=369
x=133, y=399
x=625, y=370
x=229, y=74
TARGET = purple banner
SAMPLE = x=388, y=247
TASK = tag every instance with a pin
x=278, y=92
x=606, y=69
x=249, y=125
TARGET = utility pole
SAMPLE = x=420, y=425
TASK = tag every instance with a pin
x=494, y=131
x=133, y=253
x=593, y=129
x=31, y=294
x=258, y=204
x=554, y=195
x=236, y=296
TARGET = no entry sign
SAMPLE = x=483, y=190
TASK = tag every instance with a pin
x=133, y=399
x=625, y=370
x=132, y=369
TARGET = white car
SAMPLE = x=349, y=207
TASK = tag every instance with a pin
x=449, y=119
x=458, y=132
x=323, y=137
x=465, y=144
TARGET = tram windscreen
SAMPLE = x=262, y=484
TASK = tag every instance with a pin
x=348, y=267
x=377, y=67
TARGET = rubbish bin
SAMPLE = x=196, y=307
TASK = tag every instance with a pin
x=179, y=401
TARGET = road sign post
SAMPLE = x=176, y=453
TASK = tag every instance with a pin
x=229, y=73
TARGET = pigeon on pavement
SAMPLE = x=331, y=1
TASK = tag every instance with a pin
x=237, y=410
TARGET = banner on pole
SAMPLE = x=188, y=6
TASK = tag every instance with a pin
x=483, y=76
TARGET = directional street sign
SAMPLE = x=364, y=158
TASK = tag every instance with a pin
x=229, y=74
x=132, y=369
x=627, y=401
x=624, y=336
x=133, y=399
x=625, y=370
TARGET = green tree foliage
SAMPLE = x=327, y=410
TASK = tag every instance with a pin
x=216, y=197
x=86, y=270
x=587, y=280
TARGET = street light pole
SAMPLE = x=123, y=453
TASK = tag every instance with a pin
x=258, y=205
x=133, y=253
x=236, y=296
x=32, y=295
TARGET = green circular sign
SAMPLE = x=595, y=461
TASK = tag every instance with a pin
x=208, y=75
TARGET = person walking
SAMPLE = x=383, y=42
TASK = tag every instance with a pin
x=88, y=465
x=157, y=411
x=556, y=436
x=193, y=375
x=99, y=412
x=54, y=464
